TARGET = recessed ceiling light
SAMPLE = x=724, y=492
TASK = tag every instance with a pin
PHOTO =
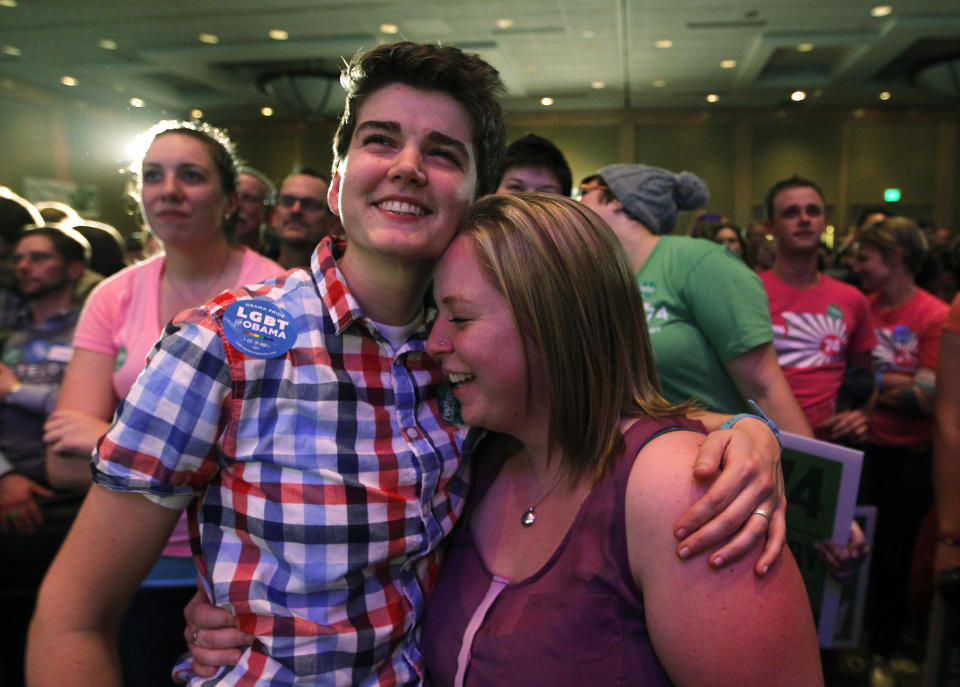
x=196, y=113
x=107, y=44
x=728, y=64
x=884, y=95
x=137, y=102
x=8, y=3
x=209, y=38
x=278, y=34
x=68, y=81
x=658, y=83
x=881, y=11
x=665, y=43
x=12, y=50
x=797, y=96
x=712, y=98
x=389, y=28
x=598, y=84
x=504, y=23
x=546, y=101
x=266, y=111
x=804, y=47
x=859, y=113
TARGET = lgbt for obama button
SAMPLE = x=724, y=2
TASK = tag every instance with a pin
x=259, y=329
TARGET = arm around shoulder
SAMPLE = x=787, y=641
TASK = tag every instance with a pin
x=712, y=627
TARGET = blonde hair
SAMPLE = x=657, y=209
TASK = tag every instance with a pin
x=570, y=289
x=897, y=233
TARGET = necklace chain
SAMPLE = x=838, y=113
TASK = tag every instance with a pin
x=529, y=516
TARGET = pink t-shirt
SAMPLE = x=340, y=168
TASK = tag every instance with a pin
x=908, y=338
x=816, y=331
x=121, y=318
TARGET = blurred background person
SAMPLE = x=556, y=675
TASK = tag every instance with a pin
x=727, y=234
x=533, y=163
x=256, y=194
x=34, y=518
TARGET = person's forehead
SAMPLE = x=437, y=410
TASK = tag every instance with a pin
x=251, y=184
x=418, y=109
x=538, y=172
x=35, y=243
x=176, y=145
x=304, y=185
x=797, y=195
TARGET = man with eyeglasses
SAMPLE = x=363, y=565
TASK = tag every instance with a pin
x=256, y=196
x=821, y=326
x=301, y=218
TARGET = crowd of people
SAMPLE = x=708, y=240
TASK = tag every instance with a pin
x=444, y=418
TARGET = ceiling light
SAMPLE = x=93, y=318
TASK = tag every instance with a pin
x=546, y=101
x=881, y=11
x=389, y=28
x=8, y=3
x=665, y=43
x=884, y=95
x=804, y=47
x=12, y=50
x=598, y=84
x=68, y=81
x=278, y=34
x=266, y=111
x=797, y=96
x=504, y=23
x=196, y=114
x=137, y=102
x=107, y=44
x=728, y=64
x=209, y=38
x=712, y=98
x=658, y=83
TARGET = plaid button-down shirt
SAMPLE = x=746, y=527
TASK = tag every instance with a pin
x=326, y=476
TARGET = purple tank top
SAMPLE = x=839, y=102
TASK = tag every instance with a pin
x=578, y=621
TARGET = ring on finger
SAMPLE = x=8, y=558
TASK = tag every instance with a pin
x=760, y=511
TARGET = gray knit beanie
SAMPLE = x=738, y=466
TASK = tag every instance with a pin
x=653, y=196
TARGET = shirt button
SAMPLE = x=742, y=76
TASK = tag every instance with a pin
x=412, y=433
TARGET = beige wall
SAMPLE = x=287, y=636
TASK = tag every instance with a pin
x=854, y=156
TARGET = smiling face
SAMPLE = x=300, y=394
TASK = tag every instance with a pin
x=182, y=195
x=521, y=179
x=798, y=220
x=408, y=177
x=482, y=350
x=872, y=268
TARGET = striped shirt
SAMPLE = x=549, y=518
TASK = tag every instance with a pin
x=326, y=478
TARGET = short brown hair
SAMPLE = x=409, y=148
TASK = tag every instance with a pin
x=895, y=234
x=465, y=77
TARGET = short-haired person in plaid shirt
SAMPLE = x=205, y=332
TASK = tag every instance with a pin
x=302, y=424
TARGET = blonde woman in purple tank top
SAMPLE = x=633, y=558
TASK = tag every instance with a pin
x=563, y=569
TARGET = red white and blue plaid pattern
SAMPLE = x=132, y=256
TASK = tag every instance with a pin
x=327, y=478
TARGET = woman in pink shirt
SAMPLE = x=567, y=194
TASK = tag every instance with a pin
x=186, y=187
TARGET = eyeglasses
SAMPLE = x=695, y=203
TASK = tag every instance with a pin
x=35, y=257
x=586, y=188
x=308, y=204
x=251, y=198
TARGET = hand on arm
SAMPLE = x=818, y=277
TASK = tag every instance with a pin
x=18, y=507
x=741, y=465
x=212, y=636
x=711, y=628
x=111, y=546
x=86, y=405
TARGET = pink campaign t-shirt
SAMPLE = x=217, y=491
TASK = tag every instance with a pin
x=121, y=318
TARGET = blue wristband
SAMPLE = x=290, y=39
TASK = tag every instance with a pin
x=759, y=416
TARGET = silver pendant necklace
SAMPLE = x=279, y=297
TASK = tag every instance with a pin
x=529, y=516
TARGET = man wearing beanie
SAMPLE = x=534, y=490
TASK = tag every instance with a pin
x=706, y=311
